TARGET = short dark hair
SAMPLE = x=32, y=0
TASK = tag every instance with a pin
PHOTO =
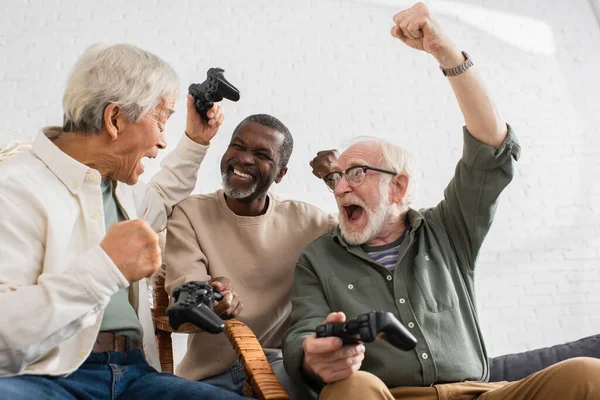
x=271, y=122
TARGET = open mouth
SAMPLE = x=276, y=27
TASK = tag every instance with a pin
x=141, y=165
x=353, y=212
x=241, y=174
x=145, y=158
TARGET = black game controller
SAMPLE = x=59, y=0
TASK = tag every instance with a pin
x=212, y=90
x=194, y=304
x=367, y=326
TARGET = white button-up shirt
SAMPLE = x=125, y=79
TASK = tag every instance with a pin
x=55, y=279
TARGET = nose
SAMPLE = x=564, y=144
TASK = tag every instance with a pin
x=162, y=143
x=244, y=157
x=342, y=187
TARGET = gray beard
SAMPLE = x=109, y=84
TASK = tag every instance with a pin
x=377, y=219
x=236, y=193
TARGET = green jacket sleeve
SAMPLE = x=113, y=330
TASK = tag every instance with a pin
x=309, y=309
x=471, y=197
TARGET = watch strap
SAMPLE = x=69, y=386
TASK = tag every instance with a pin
x=458, y=69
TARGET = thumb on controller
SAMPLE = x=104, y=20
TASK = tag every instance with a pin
x=335, y=317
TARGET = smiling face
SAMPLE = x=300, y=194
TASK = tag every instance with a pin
x=252, y=162
x=363, y=209
x=136, y=140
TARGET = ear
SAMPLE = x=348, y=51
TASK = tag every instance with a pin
x=399, y=185
x=281, y=174
x=113, y=120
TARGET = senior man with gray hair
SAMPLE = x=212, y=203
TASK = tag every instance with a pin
x=418, y=265
x=78, y=235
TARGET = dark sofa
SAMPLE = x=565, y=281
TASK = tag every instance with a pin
x=512, y=367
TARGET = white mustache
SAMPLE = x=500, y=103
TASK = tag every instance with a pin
x=351, y=199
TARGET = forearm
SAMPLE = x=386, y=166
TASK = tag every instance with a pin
x=309, y=310
x=184, y=259
x=479, y=111
x=417, y=29
x=173, y=183
x=40, y=316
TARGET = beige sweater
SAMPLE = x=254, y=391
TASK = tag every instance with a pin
x=206, y=239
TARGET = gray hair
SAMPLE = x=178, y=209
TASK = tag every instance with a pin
x=396, y=159
x=121, y=74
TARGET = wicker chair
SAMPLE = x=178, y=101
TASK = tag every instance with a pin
x=260, y=381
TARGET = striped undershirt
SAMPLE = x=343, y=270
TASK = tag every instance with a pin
x=386, y=255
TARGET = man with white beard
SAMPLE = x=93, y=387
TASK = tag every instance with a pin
x=417, y=265
x=243, y=238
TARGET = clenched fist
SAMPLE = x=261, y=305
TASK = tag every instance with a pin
x=199, y=130
x=133, y=247
x=323, y=161
x=417, y=29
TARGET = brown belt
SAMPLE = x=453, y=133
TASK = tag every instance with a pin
x=107, y=341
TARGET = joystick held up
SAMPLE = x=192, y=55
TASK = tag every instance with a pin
x=214, y=89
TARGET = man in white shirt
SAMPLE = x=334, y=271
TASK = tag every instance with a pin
x=78, y=235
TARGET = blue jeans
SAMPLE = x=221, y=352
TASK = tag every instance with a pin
x=110, y=375
x=233, y=379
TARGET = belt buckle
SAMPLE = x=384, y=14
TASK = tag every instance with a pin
x=130, y=344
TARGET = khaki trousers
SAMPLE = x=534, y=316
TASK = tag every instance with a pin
x=573, y=379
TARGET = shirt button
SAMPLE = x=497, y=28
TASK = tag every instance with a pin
x=389, y=277
x=402, y=301
x=426, y=257
x=425, y=356
x=411, y=325
x=76, y=186
x=95, y=215
x=90, y=176
x=350, y=286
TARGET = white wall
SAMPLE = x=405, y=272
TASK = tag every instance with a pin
x=330, y=70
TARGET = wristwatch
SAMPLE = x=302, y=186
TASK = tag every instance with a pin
x=460, y=69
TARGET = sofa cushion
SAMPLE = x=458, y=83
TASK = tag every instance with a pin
x=512, y=367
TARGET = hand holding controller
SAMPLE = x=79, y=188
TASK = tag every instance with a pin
x=194, y=304
x=212, y=90
x=367, y=326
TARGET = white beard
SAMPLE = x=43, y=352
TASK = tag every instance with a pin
x=236, y=193
x=376, y=218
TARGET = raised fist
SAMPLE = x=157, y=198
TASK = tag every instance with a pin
x=133, y=247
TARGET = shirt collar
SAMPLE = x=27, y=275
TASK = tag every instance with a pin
x=71, y=172
x=246, y=220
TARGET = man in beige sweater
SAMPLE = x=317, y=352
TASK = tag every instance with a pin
x=243, y=238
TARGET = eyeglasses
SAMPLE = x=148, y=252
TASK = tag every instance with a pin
x=355, y=176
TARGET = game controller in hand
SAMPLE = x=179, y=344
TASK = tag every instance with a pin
x=212, y=90
x=367, y=326
x=194, y=304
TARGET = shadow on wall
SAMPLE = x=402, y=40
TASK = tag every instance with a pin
x=523, y=32
x=595, y=4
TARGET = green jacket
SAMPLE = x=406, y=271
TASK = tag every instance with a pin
x=431, y=290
